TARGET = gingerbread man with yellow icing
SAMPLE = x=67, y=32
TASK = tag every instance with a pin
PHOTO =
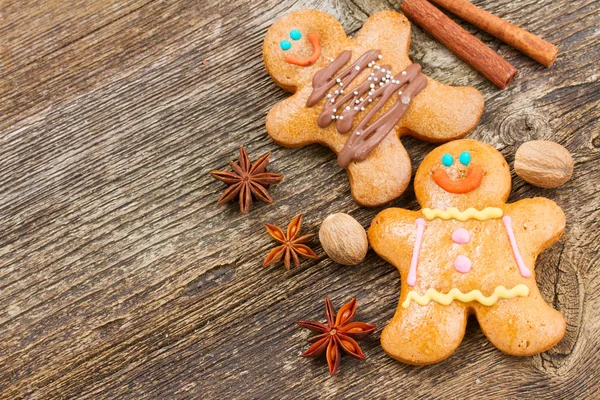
x=467, y=252
x=358, y=95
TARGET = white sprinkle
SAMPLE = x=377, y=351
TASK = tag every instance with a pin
x=334, y=110
x=338, y=80
x=377, y=67
x=340, y=117
x=357, y=133
x=341, y=91
x=355, y=108
x=403, y=72
x=362, y=109
x=370, y=100
x=328, y=95
x=355, y=93
x=333, y=100
x=341, y=84
x=380, y=56
x=381, y=83
x=369, y=79
x=357, y=68
x=333, y=117
x=372, y=73
x=361, y=99
x=336, y=92
x=348, y=108
x=356, y=102
x=371, y=86
x=400, y=93
x=405, y=100
x=370, y=65
x=383, y=70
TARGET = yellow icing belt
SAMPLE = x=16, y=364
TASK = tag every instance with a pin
x=474, y=295
x=469, y=213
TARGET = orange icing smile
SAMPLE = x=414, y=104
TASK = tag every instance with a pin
x=469, y=183
x=315, y=40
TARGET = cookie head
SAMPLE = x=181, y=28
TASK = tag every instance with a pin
x=299, y=44
x=463, y=174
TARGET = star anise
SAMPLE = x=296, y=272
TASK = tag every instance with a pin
x=247, y=180
x=292, y=247
x=338, y=335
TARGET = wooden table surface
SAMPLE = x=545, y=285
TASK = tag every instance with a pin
x=120, y=276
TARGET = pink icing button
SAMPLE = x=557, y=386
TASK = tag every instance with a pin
x=462, y=264
x=461, y=236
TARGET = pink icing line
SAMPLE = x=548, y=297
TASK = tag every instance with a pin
x=525, y=272
x=412, y=274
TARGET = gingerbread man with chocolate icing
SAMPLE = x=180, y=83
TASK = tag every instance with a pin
x=359, y=96
x=467, y=252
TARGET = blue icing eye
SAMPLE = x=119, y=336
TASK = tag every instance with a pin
x=447, y=160
x=295, y=34
x=285, y=45
x=465, y=158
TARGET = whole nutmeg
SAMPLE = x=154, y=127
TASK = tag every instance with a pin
x=543, y=163
x=343, y=239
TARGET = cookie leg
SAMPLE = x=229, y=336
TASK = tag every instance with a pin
x=523, y=326
x=423, y=335
x=383, y=176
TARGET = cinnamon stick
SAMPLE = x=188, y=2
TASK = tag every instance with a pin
x=529, y=44
x=459, y=41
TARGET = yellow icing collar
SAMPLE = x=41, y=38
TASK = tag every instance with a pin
x=474, y=295
x=469, y=213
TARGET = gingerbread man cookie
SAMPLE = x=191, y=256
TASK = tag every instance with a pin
x=358, y=96
x=467, y=252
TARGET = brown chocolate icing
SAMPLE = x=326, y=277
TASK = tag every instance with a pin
x=378, y=88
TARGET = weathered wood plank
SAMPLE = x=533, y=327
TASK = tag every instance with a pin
x=121, y=278
x=35, y=29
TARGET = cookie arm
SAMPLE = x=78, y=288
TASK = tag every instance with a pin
x=388, y=32
x=392, y=235
x=291, y=124
x=536, y=223
x=441, y=112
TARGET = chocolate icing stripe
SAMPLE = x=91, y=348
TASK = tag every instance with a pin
x=378, y=88
x=322, y=81
x=357, y=102
x=362, y=142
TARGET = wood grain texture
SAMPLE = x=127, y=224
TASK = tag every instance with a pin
x=121, y=278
